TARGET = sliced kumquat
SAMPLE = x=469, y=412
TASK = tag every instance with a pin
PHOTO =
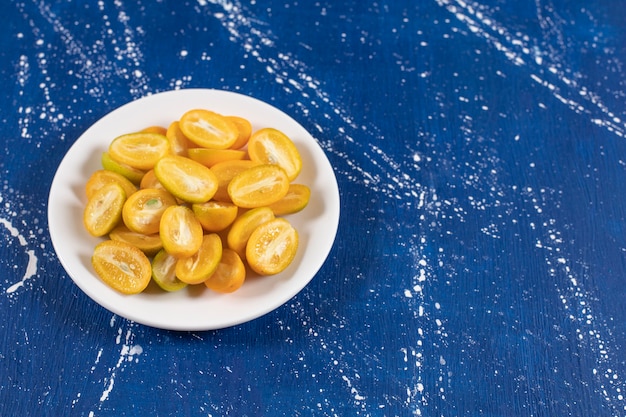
x=122, y=266
x=181, y=233
x=163, y=188
x=155, y=129
x=102, y=177
x=244, y=225
x=272, y=247
x=229, y=275
x=209, y=157
x=296, y=199
x=198, y=267
x=150, y=180
x=186, y=179
x=244, y=127
x=225, y=172
x=143, y=210
x=104, y=209
x=215, y=216
x=139, y=150
x=134, y=175
x=258, y=186
x=179, y=143
x=164, y=272
x=271, y=146
x=208, y=129
x=148, y=244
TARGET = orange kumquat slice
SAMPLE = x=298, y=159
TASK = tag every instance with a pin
x=215, y=216
x=179, y=143
x=150, y=180
x=244, y=127
x=209, y=157
x=229, y=275
x=155, y=129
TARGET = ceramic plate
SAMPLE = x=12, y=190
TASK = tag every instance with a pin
x=195, y=308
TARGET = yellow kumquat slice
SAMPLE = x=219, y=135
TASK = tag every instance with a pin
x=104, y=209
x=148, y=244
x=208, y=129
x=258, y=186
x=271, y=146
x=139, y=150
x=272, y=247
x=225, y=172
x=186, y=179
x=181, y=233
x=134, y=175
x=143, y=210
x=122, y=266
x=243, y=227
x=102, y=177
x=198, y=267
x=164, y=272
x=296, y=199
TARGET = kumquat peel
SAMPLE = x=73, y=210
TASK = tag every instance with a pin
x=197, y=202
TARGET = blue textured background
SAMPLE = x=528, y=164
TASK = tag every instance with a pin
x=480, y=262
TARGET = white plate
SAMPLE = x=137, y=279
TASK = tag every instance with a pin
x=195, y=308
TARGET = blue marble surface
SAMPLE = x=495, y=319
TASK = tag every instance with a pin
x=480, y=261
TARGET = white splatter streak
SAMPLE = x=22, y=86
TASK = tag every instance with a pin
x=31, y=268
x=395, y=183
x=578, y=304
x=575, y=300
x=553, y=76
x=128, y=353
x=259, y=44
x=95, y=69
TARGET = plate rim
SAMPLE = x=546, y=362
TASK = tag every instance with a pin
x=198, y=94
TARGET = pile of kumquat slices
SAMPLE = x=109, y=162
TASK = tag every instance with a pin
x=198, y=202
